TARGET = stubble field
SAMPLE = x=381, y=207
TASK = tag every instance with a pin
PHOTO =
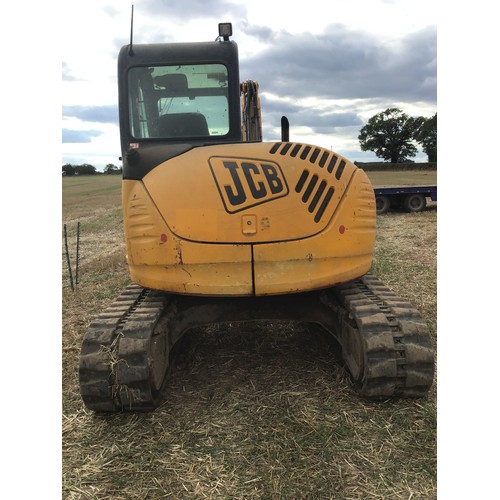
x=264, y=411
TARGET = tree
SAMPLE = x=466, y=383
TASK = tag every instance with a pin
x=68, y=169
x=389, y=135
x=111, y=169
x=85, y=169
x=427, y=137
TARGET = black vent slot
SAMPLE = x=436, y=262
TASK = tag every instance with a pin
x=332, y=163
x=324, y=157
x=302, y=181
x=315, y=155
x=295, y=150
x=317, y=196
x=324, y=204
x=304, y=153
x=340, y=169
x=315, y=193
x=308, y=186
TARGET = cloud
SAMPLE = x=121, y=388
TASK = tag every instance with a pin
x=329, y=121
x=67, y=74
x=99, y=114
x=319, y=120
x=110, y=10
x=189, y=10
x=79, y=136
x=345, y=64
x=261, y=33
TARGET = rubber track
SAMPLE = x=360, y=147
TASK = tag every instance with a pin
x=115, y=357
x=398, y=358
x=125, y=353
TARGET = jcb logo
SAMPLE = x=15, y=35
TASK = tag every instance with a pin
x=244, y=183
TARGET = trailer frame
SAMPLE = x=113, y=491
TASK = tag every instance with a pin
x=408, y=198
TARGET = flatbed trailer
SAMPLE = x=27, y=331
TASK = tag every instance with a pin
x=403, y=188
x=409, y=198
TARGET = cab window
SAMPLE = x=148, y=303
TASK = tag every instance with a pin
x=178, y=101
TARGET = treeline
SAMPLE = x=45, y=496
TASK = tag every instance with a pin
x=87, y=169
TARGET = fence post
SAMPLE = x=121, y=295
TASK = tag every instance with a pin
x=67, y=257
x=77, y=250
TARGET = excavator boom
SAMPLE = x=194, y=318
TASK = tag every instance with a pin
x=250, y=109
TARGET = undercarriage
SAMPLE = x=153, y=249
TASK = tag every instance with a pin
x=383, y=341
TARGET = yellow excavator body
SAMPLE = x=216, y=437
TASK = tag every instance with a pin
x=249, y=219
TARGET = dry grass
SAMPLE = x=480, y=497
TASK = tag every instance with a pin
x=380, y=178
x=259, y=411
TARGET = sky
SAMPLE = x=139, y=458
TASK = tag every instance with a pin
x=327, y=66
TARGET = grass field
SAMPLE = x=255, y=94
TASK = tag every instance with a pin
x=256, y=412
x=381, y=178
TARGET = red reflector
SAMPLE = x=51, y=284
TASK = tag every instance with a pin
x=163, y=238
x=342, y=229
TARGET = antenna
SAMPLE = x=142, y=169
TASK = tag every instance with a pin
x=130, y=51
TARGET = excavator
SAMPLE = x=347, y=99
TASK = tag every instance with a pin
x=222, y=227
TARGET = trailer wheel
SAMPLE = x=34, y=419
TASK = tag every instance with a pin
x=414, y=203
x=382, y=203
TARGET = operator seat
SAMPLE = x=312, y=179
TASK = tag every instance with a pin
x=183, y=125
